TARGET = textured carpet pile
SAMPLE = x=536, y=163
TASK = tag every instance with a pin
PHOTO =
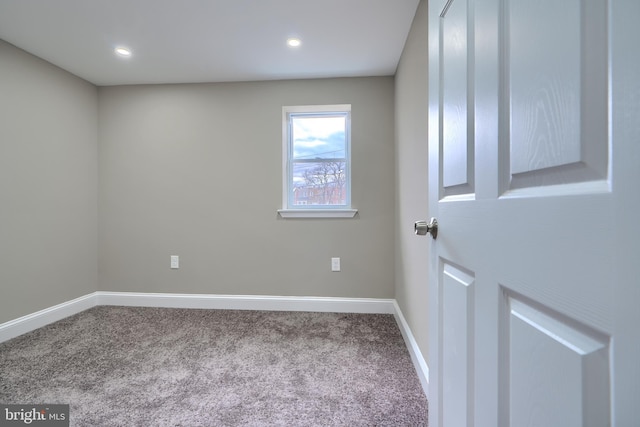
x=125, y=366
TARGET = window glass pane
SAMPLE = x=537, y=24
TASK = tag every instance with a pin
x=318, y=137
x=319, y=183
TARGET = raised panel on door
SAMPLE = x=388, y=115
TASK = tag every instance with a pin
x=554, y=83
x=557, y=369
x=457, y=344
x=457, y=165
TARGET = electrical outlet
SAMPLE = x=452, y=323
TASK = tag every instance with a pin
x=175, y=261
x=335, y=264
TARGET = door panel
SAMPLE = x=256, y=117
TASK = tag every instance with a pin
x=457, y=156
x=457, y=344
x=544, y=91
x=556, y=81
x=558, y=365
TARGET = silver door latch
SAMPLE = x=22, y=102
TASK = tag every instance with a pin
x=423, y=227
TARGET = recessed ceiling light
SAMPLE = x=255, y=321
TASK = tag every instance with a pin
x=123, y=51
x=293, y=42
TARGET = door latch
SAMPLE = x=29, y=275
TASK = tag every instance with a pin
x=423, y=227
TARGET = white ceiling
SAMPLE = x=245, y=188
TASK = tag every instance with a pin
x=188, y=41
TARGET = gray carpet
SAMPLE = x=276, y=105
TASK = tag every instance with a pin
x=125, y=366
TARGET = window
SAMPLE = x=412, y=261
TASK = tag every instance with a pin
x=316, y=161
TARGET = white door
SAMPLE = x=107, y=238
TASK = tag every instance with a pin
x=534, y=145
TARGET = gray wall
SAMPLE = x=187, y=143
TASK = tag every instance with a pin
x=196, y=171
x=411, y=109
x=48, y=184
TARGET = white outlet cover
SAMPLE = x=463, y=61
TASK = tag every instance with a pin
x=335, y=264
x=175, y=261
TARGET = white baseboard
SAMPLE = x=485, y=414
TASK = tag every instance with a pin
x=414, y=351
x=30, y=322
x=49, y=315
x=247, y=302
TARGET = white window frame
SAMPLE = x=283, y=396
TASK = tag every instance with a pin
x=313, y=211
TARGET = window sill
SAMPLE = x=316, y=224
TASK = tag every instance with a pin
x=317, y=213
